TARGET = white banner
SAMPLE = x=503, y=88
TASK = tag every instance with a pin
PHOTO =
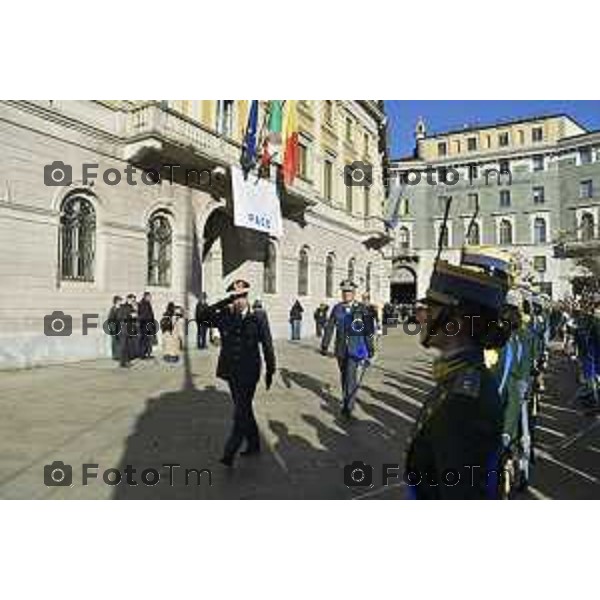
x=255, y=203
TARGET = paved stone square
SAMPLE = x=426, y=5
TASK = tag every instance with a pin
x=154, y=415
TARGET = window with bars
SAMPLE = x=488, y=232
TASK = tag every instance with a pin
x=303, y=273
x=539, y=264
x=328, y=180
x=586, y=189
x=503, y=139
x=349, y=130
x=368, y=277
x=538, y=195
x=587, y=227
x=225, y=117
x=404, y=238
x=505, y=198
x=329, y=275
x=270, y=270
x=473, y=236
x=537, y=134
x=539, y=231
x=505, y=233
x=303, y=160
x=160, y=241
x=349, y=206
x=538, y=162
x=367, y=201
x=472, y=144
x=328, y=112
x=585, y=156
x=351, y=269
x=77, y=239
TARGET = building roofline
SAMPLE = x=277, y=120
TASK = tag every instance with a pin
x=501, y=123
x=567, y=139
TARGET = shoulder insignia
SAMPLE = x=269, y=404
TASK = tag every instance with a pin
x=467, y=384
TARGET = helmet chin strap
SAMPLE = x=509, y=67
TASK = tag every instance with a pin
x=442, y=316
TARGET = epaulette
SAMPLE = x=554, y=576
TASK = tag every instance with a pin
x=466, y=383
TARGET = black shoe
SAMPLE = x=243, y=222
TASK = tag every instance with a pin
x=227, y=461
x=250, y=452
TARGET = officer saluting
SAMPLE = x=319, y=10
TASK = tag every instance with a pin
x=242, y=332
x=353, y=325
x=456, y=440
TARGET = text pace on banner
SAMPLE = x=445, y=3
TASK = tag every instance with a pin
x=256, y=204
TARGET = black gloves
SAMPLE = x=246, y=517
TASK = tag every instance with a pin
x=269, y=379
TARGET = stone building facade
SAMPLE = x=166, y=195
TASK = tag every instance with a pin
x=536, y=182
x=71, y=247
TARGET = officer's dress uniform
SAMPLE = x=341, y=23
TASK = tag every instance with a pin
x=454, y=450
x=457, y=433
x=353, y=326
x=240, y=365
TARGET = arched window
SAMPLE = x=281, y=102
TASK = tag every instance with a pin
x=368, y=277
x=77, y=239
x=160, y=239
x=505, y=231
x=539, y=231
x=351, y=269
x=587, y=226
x=270, y=270
x=404, y=238
x=303, y=273
x=329, y=275
x=474, y=236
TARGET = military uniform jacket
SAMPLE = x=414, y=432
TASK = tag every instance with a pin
x=340, y=322
x=453, y=452
x=241, y=336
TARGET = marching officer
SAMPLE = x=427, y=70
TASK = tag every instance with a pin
x=455, y=447
x=353, y=325
x=242, y=331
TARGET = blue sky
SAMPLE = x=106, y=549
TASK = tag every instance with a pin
x=441, y=115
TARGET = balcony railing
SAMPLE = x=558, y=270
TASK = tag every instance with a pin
x=165, y=124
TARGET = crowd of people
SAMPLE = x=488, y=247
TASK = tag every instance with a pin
x=135, y=331
x=491, y=330
x=575, y=323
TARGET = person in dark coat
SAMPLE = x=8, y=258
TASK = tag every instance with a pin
x=148, y=326
x=128, y=332
x=201, y=326
x=320, y=319
x=354, y=329
x=113, y=326
x=242, y=332
x=296, y=320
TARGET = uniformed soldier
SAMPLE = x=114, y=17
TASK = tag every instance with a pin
x=242, y=331
x=353, y=325
x=508, y=364
x=455, y=448
x=128, y=330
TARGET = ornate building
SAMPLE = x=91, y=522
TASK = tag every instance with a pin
x=71, y=241
x=536, y=183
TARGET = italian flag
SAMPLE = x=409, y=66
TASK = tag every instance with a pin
x=289, y=138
